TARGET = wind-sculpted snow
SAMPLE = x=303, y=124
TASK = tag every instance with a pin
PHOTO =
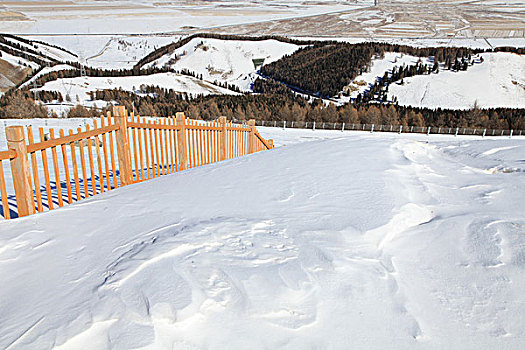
x=332, y=240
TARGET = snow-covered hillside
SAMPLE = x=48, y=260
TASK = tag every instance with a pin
x=497, y=82
x=378, y=67
x=20, y=58
x=81, y=86
x=371, y=241
x=230, y=61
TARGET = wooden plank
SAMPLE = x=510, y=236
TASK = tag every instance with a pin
x=6, y=155
x=166, y=148
x=208, y=140
x=123, y=150
x=230, y=145
x=139, y=131
x=171, y=132
x=3, y=193
x=66, y=169
x=143, y=125
x=223, y=141
x=161, y=146
x=34, y=166
x=105, y=151
x=83, y=164
x=152, y=149
x=55, y=166
x=148, y=176
x=251, y=139
x=135, y=152
x=176, y=145
x=264, y=143
x=155, y=133
x=91, y=166
x=99, y=159
x=201, y=141
x=112, y=151
x=75, y=167
x=193, y=145
x=46, y=173
x=68, y=139
x=217, y=144
x=194, y=126
x=181, y=142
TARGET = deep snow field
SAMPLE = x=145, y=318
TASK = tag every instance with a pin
x=333, y=240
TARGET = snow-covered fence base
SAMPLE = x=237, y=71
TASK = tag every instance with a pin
x=121, y=150
x=392, y=128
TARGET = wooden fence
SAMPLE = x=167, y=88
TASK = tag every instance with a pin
x=392, y=128
x=127, y=149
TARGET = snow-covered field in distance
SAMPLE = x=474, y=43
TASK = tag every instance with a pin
x=353, y=239
x=497, y=82
x=142, y=16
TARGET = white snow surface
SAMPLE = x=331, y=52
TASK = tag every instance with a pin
x=378, y=68
x=332, y=240
x=497, y=82
x=226, y=60
x=80, y=86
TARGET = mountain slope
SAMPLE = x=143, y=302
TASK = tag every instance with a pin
x=21, y=58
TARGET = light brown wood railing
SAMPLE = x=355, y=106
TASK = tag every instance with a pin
x=121, y=149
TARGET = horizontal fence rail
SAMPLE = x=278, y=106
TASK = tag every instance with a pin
x=119, y=150
x=391, y=128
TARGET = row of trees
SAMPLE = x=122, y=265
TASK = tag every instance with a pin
x=271, y=106
x=290, y=107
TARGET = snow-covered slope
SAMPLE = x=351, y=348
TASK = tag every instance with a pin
x=125, y=51
x=378, y=67
x=82, y=85
x=369, y=241
x=497, y=82
x=225, y=60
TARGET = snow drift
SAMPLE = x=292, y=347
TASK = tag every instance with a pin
x=368, y=241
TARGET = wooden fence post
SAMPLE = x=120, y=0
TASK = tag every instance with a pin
x=222, y=122
x=270, y=142
x=181, y=141
x=20, y=170
x=251, y=136
x=123, y=150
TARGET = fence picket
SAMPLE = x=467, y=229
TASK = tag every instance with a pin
x=99, y=159
x=66, y=168
x=83, y=164
x=105, y=151
x=35, y=170
x=112, y=152
x=3, y=193
x=46, y=172
x=75, y=167
x=58, y=184
x=152, y=149
x=91, y=166
x=139, y=132
x=135, y=154
x=155, y=132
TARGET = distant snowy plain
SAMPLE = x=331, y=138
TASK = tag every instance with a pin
x=333, y=240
